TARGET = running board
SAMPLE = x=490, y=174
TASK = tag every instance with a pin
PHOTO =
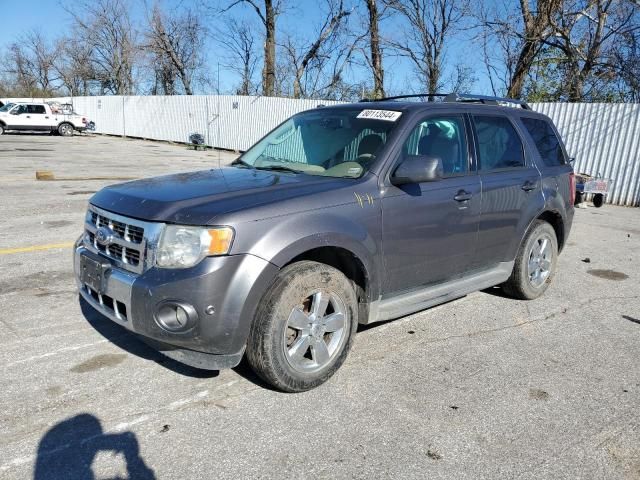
x=416, y=300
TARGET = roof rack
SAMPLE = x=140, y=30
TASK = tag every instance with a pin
x=400, y=97
x=459, y=98
x=485, y=99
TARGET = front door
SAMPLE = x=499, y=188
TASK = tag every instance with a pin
x=430, y=229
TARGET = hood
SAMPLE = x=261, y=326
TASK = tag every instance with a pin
x=196, y=198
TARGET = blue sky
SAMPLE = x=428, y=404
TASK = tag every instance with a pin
x=51, y=19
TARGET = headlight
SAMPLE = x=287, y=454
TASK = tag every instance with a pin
x=183, y=247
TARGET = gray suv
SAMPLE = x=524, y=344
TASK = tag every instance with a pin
x=340, y=216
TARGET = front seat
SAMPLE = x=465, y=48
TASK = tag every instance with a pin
x=437, y=144
x=370, y=144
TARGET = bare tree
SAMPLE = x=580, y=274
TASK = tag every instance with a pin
x=176, y=42
x=429, y=24
x=239, y=41
x=74, y=66
x=375, y=62
x=312, y=53
x=519, y=33
x=626, y=59
x=30, y=63
x=585, y=31
x=268, y=15
x=105, y=26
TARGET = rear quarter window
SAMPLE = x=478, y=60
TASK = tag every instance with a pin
x=546, y=141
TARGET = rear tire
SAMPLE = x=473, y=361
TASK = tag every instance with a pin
x=65, y=129
x=304, y=327
x=535, y=264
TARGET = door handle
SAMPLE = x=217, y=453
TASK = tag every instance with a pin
x=46, y=117
x=463, y=196
x=28, y=116
x=528, y=186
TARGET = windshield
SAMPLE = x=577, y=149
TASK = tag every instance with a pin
x=326, y=142
x=7, y=107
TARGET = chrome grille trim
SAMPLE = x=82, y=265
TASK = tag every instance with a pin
x=133, y=244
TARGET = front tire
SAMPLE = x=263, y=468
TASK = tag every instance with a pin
x=535, y=264
x=1, y=129
x=304, y=327
x=65, y=129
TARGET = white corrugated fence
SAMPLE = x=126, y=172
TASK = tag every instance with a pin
x=604, y=138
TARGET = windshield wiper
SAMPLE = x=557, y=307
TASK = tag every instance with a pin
x=280, y=168
x=239, y=161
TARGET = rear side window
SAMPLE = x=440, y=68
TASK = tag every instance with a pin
x=546, y=140
x=35, y=109
x=499, y=145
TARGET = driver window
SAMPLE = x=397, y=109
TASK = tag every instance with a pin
x=19, y=109
x=441, y=137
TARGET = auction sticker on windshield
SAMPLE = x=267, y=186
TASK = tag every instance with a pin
x=388, y=115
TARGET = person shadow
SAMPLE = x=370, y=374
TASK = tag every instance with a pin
x=69, y=448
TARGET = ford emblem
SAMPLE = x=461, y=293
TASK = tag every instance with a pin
x=104, y=236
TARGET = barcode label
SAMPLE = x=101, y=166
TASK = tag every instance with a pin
x=387, y=115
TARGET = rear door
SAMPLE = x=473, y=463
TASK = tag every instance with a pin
x=511, y=188
x=37, y=118
x=552, y=159
x=430, y=229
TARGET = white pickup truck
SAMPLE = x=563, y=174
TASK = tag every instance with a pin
x=41, y=117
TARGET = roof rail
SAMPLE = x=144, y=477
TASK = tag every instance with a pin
x=400, y=97
x=484, y=99
x=457, y=97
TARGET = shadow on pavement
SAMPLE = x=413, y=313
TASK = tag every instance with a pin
x=69, y=448
x=128, y=341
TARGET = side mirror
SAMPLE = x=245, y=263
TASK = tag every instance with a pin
x=417, y=169
x=572, y=161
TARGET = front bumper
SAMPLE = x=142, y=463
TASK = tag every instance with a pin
x=223, y=291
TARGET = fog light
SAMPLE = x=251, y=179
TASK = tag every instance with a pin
x=176, y=317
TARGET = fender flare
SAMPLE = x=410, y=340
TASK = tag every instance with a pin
x=291, y=237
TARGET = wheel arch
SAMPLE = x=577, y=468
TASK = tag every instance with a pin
x=554, y=218
x=349, y=264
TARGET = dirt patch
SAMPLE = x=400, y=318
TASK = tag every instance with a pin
x=98, y=362
x=39, y=281
x=82, y=192
x=608, y=274
x=434, y=455
x=54, y=391
x=538, y=394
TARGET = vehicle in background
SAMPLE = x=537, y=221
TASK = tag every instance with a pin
x=342, y=215
x=24, y=116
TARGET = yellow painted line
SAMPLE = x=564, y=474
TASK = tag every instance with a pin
x=35, y=248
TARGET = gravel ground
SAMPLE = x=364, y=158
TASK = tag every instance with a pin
x=482, y=387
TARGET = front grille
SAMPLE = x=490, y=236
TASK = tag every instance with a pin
x=127, y=244
x=130, y=233
x=114, y=307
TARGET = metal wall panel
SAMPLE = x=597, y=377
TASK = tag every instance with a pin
x=604, y=138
